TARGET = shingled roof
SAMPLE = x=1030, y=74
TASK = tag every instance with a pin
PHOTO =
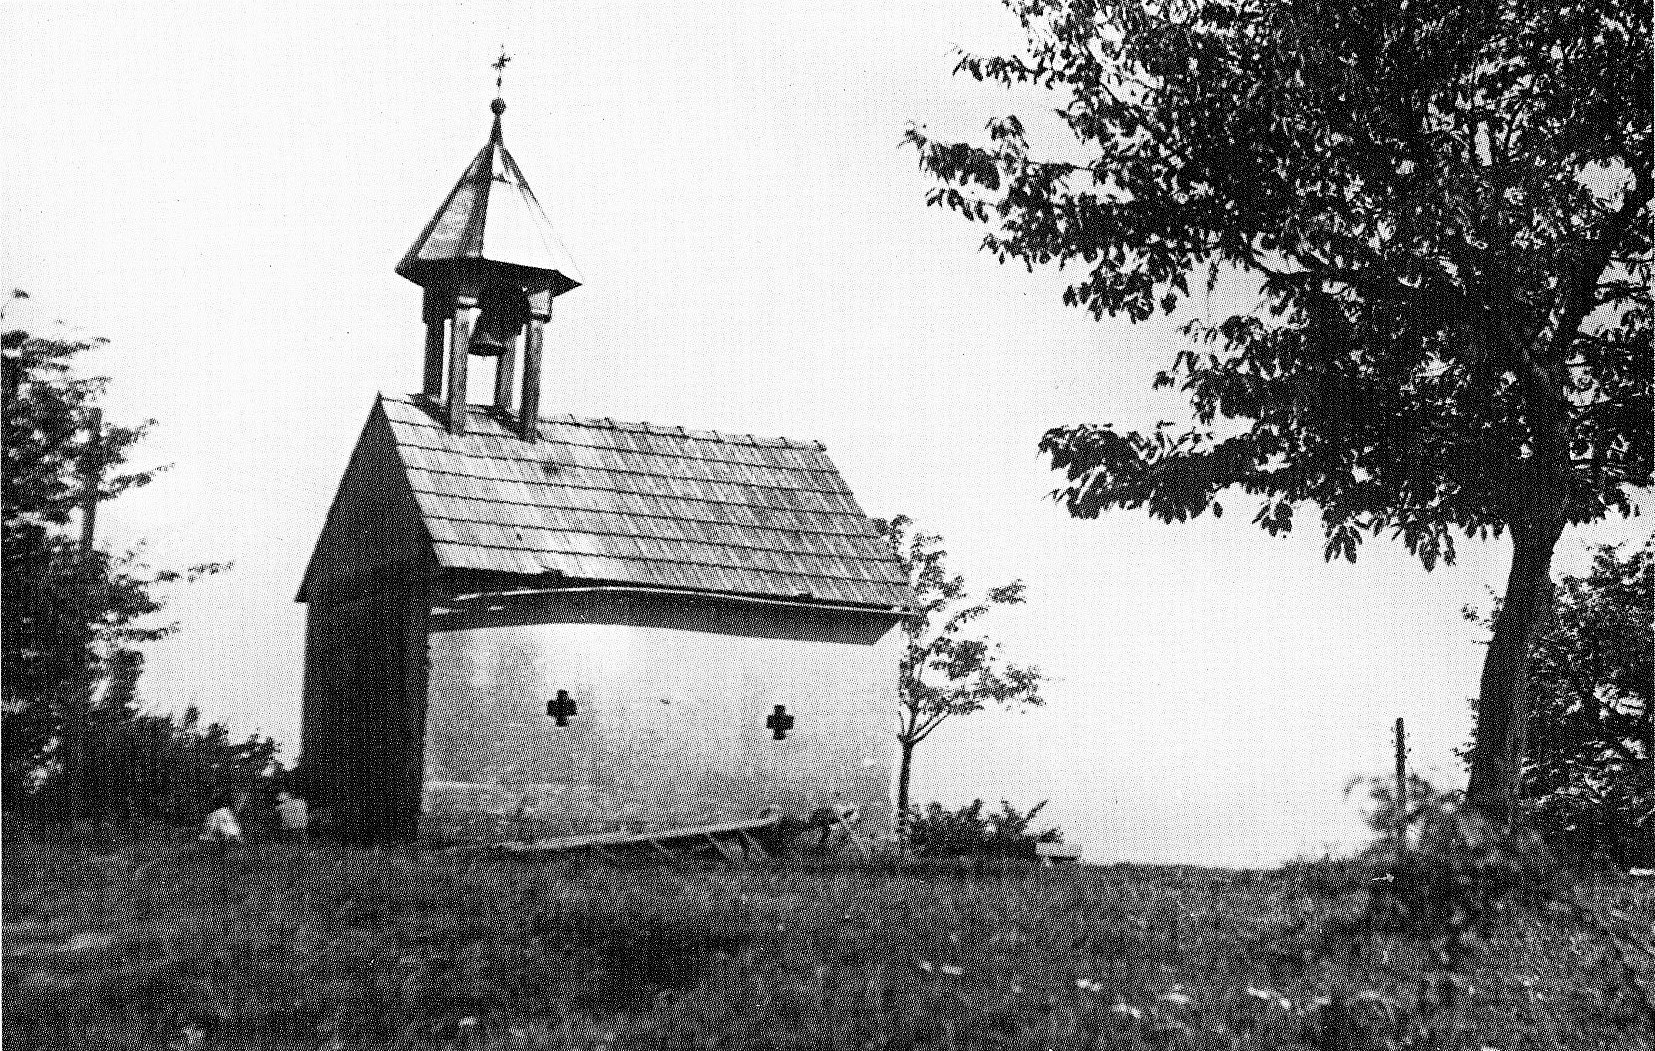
x=628, y=503
x=492, y=216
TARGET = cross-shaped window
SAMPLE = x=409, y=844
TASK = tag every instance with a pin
x=561, y=707
x=779, y=722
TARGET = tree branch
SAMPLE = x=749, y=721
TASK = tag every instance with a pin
x=929, y=726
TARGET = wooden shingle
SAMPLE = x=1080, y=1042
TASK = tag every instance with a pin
x=644, y=505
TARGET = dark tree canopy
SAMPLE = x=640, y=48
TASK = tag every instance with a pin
x=67, y=613
x=73, y=617
x=1445, y=208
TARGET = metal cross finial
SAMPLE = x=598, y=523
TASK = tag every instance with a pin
x=499, y=65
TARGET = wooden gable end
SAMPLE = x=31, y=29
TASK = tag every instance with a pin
x=374, y=537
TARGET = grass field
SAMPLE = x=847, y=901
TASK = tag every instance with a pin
x=161, y=945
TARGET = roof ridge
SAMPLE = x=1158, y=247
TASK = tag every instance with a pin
x=529, y=457
x=606, y=423
x=565, y=466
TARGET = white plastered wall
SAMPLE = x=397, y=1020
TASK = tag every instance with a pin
x=670, y=728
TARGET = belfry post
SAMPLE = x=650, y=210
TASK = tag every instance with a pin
x=528, y=417
x=436, y=343
x=459, y=357
x=505, y=367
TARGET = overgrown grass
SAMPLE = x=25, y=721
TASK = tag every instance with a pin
x=155, y=945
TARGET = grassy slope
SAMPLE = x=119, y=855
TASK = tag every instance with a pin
x=326, y=948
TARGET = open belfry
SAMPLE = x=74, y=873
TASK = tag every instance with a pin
x=522, y=624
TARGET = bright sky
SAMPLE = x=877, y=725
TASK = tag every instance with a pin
x=222, y=190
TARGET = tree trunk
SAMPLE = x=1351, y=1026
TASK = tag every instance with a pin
x=903, y=774
x=1503, y=695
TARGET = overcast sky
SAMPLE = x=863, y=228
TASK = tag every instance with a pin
x=223, y=191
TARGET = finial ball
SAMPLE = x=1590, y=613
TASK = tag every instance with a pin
x=498, y=106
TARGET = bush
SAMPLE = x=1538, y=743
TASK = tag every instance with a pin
x=157, y=769
x=1587, y=786
x=937, y=832
x=1451, y=872
x=1449, y=875
x=1595, y=812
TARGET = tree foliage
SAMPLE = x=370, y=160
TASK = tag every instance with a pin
x=946, y=670
x=164, y=769
x=1589, y=783
x=1444, y=207
x=74, y=618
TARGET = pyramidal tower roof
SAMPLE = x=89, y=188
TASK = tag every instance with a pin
x=492, y=216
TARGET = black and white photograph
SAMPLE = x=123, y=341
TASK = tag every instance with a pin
x=1008, y=525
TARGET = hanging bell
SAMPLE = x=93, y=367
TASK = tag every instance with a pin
x=503, y=315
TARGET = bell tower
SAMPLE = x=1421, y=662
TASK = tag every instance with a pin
x=490, y=266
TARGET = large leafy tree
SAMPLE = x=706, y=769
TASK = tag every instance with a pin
x=1445, y=208
x=1589, y=781
x=947, y=670
x=74, y=615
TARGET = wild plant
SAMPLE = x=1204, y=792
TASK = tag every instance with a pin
x=1445, y=873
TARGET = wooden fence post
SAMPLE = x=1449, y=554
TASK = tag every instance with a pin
x=1401, y=781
